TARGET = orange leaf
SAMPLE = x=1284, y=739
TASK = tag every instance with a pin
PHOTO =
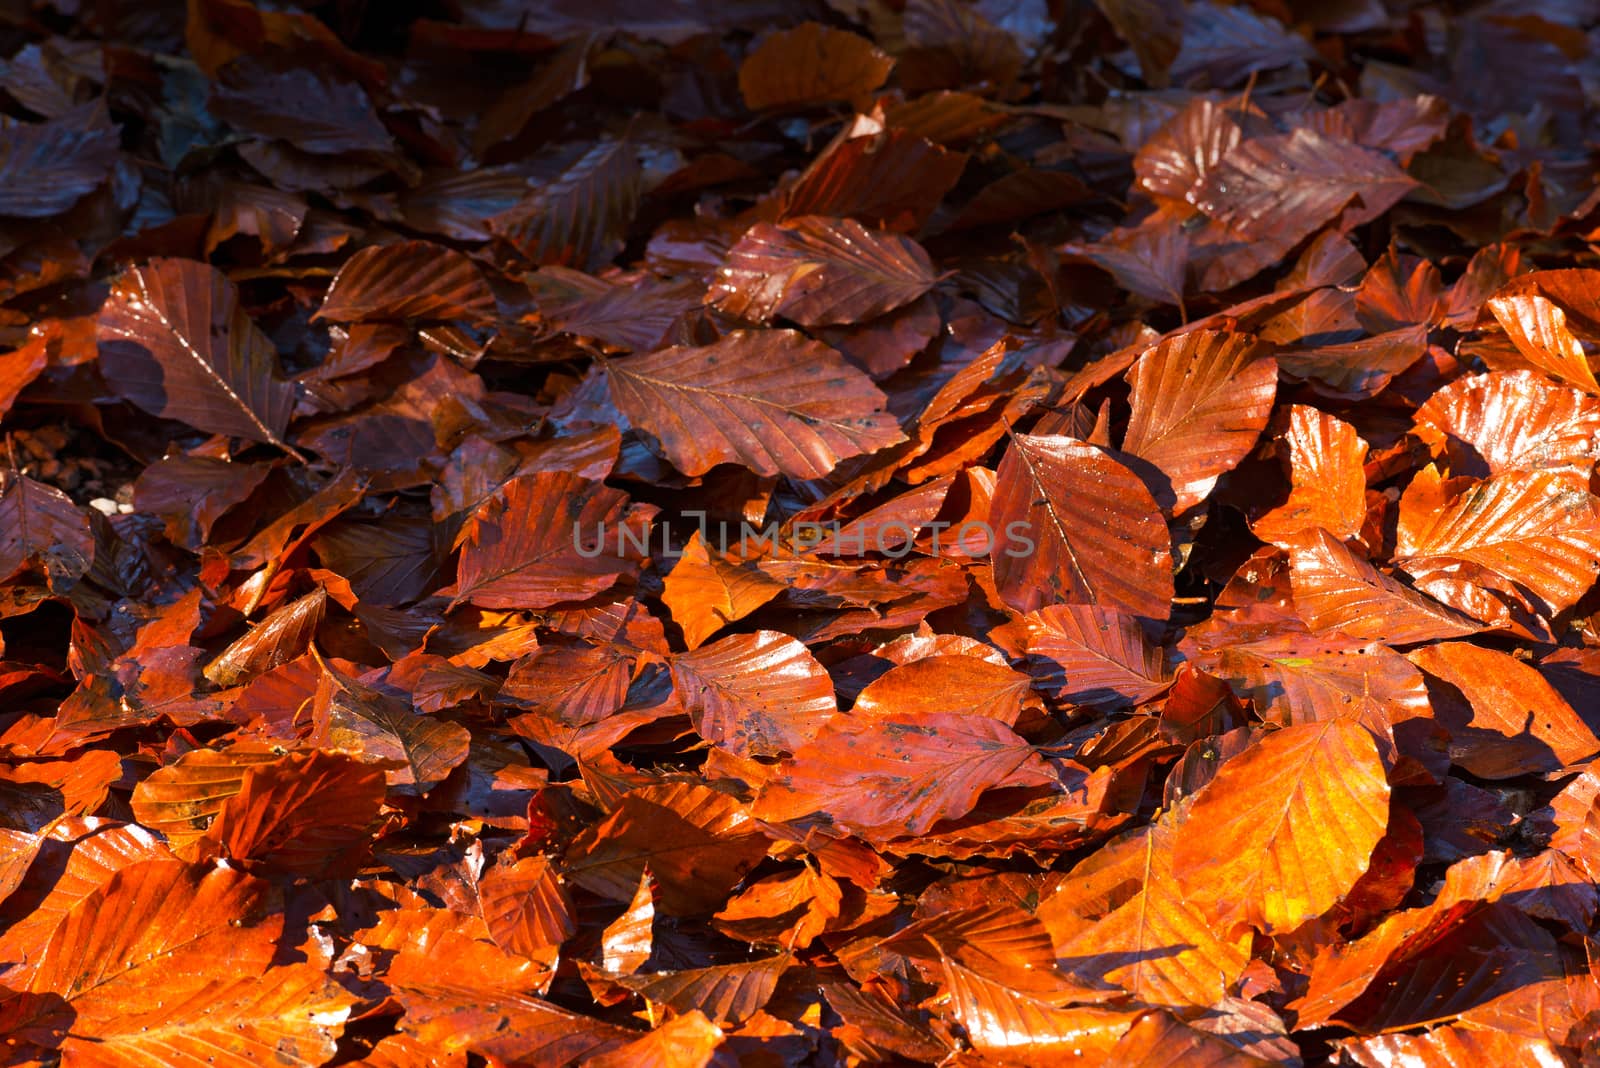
x=306, y=814
x=706, y=591
x=1325, y=465
x=755, y=694
x=1290, y=826
x=1199, y=401
x=1519, y=724
x=811, y=64
x=1073, y=525
x=885, y=778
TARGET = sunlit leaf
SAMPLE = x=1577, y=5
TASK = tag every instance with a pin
x=755, y=694
x=1291, y=825
x=175, y=341
x=1072, y=525
x=1199, y=400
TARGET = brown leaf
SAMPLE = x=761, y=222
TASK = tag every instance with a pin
x=183, y=948
x=47, y=167
x=961, y=685
x=182, y=799
x=885, y=178
x=547, y=538
x=811, y=64
x=1485, y=425
x=417, y=751
x=1536, y=531
x=1088, y=655
x=819, y=272
x=1335, y=589
x=752, y=399
x=1157, y=945
x=726, y=993
x=40, y=525
x=410, y=280
x=687, y=1041
x=629, y=939
x=281, y=637
x=758, y=694
x=1533, y=311
x=576, y=218
x=175, y=341
x=1287, y=187
x=1073, y=525
x=1003, y=1022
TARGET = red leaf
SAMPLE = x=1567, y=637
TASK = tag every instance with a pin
x=752, y=399
x=411, y=280
x=174, y=341
x=1073, y=525
x=819, y=271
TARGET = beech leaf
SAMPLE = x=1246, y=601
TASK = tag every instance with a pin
x=175, y=341
x=753, y=398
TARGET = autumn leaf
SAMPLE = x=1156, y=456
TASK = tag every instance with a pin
x=750, y=399
x=1075, y=526
x=1088, y=655
x=40, y=525
x=758, y=694
x=819, y=271
x=696, y=841
x=411, y=280
x=1518, y=724
x=520, y=551
x=160, y=944
x=1199, y=402
x=1292, y=824
x=1537, y=531
x=886, y=776
x=1158, y=945
x=810, y=64
x=1285, y=188
x=1326, y=458
x=417, y=751
x=175, y=341
x=706, y=591
x=1488, y=424
x=303, y=814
